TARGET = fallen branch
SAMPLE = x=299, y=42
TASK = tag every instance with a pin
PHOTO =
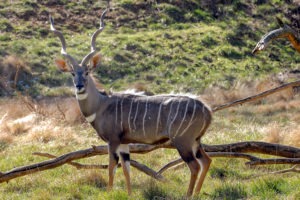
x=74, y=164
x=68, y=158
x=253, y=160
x=256, y=147
x=257, y=96
x=292, y=169
x=274, y=161
x=133, y=163
x=227, y=150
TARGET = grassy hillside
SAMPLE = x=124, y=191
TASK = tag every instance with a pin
x=188, y=46
x=164, y=45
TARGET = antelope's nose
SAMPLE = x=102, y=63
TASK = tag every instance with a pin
x=79, y=87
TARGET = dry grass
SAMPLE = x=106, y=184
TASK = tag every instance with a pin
x=217, y=95
x=283, y=135
x=13, y=69
x=92, y=177
x=20, y=125
x=5, y=140
x=41, y=121
x=55, y=119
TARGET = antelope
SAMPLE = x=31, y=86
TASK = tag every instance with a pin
x=123, y=118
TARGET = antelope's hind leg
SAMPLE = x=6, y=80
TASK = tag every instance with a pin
x=204, y=161
x=188, y=156
x=125, y=162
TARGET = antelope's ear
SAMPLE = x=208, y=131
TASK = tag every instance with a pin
x=95, y=61
x=62, y=65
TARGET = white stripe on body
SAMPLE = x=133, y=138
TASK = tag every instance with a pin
x=91, y=118
x=136, y=112
x=144, y=131
x=121, y=123
x=191, y=121
x=158, y=117
x=183, y=119
x=170, y=126
x=129, y=116
x=116, y=121
x=169, y=114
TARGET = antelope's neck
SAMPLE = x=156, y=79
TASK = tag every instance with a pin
x=89, y=101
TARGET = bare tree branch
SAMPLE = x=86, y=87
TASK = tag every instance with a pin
x=256, y=147
x=253, y=160
x=257, y=96
x=285, y=31
x=292, y=169
x=133, y=163
x=74, y=164
x=274, y=161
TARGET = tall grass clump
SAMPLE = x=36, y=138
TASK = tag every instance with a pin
x=153, y=191
x=268, y=187
x=229, y=191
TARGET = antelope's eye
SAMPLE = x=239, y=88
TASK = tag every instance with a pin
x=73, y=74
x=86, y=73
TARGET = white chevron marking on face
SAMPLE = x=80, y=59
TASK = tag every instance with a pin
x=91, y=118
x=81, y=96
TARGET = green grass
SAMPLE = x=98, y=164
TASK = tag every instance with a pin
x=228, y=178
x=177, y=47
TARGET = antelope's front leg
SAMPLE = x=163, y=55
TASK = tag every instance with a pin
x=113, y=164
x=125, y=162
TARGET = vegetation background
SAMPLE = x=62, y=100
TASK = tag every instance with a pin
x=159, y=46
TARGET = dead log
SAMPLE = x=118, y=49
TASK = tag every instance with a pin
x=226, y=150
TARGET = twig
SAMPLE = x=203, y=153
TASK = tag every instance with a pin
x=170, y=165
x=16, y=77
x=292, y=169
x=147, y=170
x=60, y=110
x=257, y=96
x=3, y=118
